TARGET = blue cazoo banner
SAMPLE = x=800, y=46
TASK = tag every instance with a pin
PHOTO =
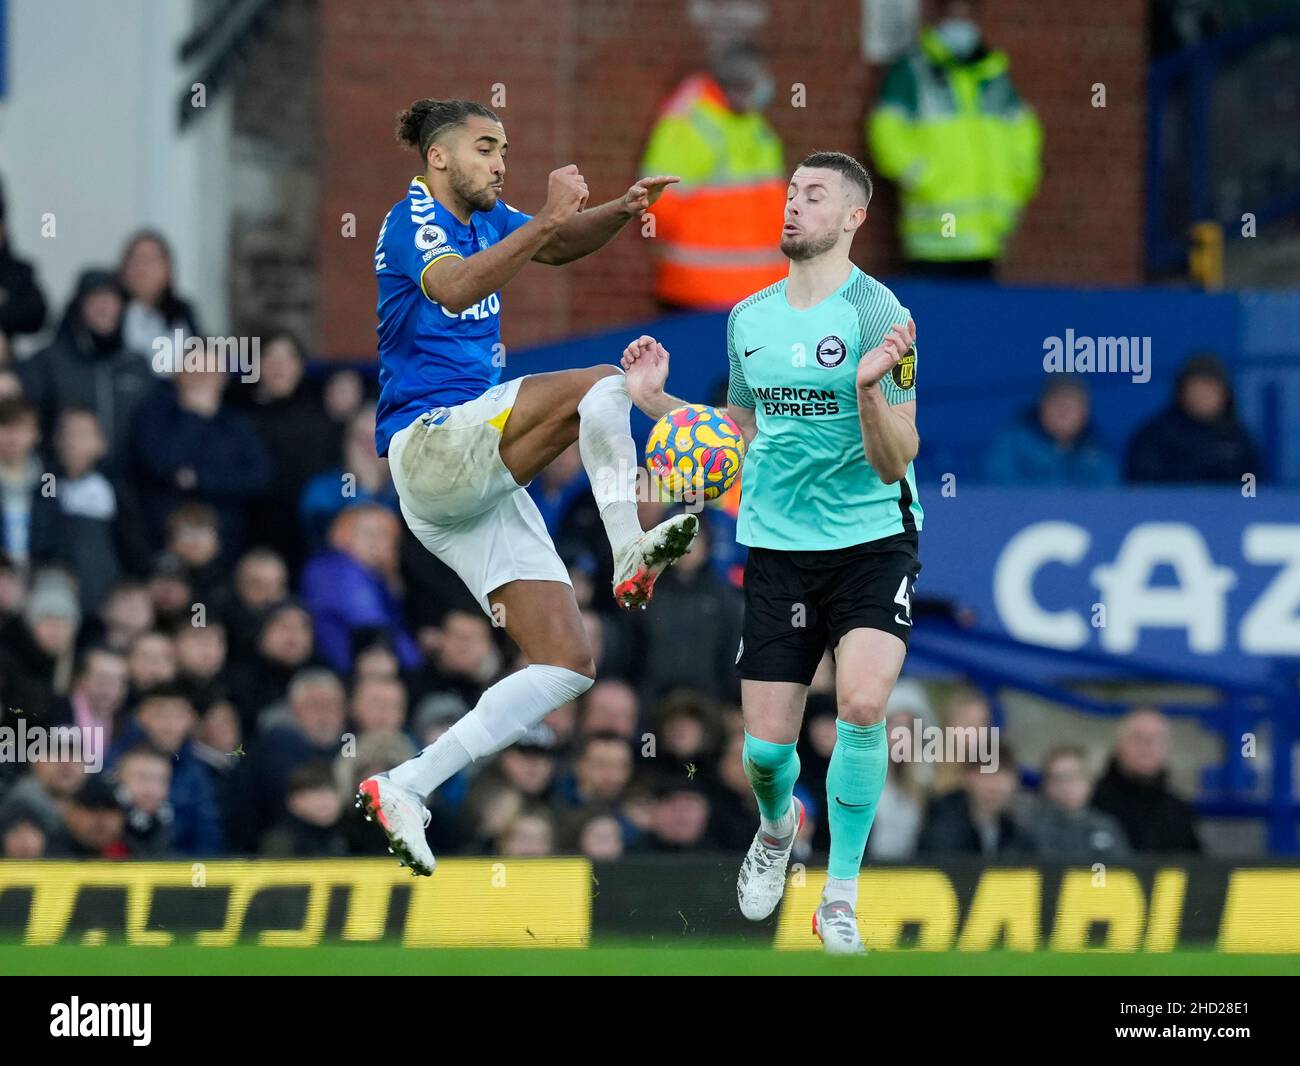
x=1205, y=579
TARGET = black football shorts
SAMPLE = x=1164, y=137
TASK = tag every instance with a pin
x=799, y=603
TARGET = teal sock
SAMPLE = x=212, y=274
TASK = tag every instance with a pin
x=853, y=785
x=772, y=770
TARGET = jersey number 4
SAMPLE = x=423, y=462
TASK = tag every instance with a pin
x=903, y=597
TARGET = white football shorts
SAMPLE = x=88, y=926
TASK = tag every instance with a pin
x=461, y=501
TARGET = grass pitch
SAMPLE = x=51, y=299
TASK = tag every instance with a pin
x=665, y=960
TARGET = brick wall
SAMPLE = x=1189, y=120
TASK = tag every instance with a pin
x=583, y=79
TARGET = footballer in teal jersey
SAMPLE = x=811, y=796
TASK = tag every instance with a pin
x=823, y=386
x=807, y=483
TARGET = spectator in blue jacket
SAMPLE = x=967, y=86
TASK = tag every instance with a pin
x=363, y=478
x=1053, y=444
x=187, y=445
x=349, y=588
x=166, y=720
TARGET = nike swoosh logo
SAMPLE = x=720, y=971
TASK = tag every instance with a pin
x=751, y=351
x=901, y=620
x=851, y=806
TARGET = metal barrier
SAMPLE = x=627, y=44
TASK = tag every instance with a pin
x=1195, y=105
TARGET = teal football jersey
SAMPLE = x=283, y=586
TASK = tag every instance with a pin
x=806, y=484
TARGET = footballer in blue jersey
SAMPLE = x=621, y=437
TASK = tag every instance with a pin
x=462, y=444
x=429, y=356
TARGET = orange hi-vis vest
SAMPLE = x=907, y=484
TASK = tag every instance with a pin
x=718, y=232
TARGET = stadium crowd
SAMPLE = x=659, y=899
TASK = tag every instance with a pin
x=212, y=576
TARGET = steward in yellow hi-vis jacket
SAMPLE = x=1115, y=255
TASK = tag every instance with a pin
x=963, y=147
x=718, y=232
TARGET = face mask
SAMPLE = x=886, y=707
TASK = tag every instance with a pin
x=960, y=36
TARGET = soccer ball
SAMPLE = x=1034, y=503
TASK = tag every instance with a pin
x=694, y=451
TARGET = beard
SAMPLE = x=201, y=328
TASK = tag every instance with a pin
x=480, y=198
x=801, y=248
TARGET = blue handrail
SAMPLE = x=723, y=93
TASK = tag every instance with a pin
x=1200, y=66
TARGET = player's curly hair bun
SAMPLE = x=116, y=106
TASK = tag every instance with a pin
x=424, y=120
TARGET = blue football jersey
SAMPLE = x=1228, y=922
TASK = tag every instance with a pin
x=428, y=356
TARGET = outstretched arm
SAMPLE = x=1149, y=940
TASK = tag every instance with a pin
x=595, y=227
x=645, y=361
x=456, y=282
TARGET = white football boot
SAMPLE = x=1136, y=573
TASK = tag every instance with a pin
x=637, y=568
x=836, y=924
x=403, y=817
x=761, y=882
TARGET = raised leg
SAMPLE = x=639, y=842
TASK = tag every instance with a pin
x=545, y=420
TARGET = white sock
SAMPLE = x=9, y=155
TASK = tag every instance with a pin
x=503, y=714
x=609, y=456
x=783, y=826
x=845, y=889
